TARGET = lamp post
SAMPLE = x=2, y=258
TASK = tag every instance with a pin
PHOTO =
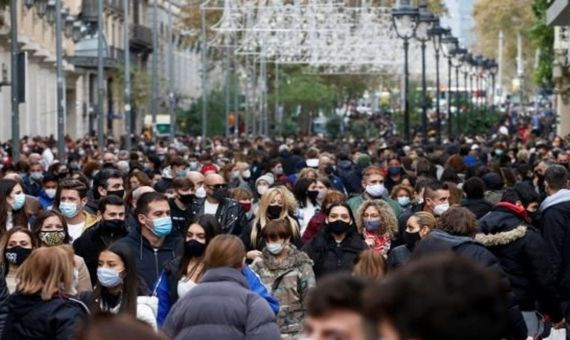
x=154, y=71
x=14, y=51
x=425, y=22
x=458, y=54
x=437, y=33
x=128, y=112
x=493, y=69
x=171, y=97
x=59, y=77
x=450, y=44
x=100, y=77
x=204, y=56
x=404, y=21
x=467, y=59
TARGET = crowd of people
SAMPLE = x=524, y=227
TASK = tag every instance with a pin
x=306, y=238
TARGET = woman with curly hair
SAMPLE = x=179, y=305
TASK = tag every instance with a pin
x=376, y=221
x=276, y=203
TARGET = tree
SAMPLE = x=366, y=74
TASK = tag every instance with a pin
x=542, y=36
x=510, y=17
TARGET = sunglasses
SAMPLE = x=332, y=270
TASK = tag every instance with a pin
x=218, y=186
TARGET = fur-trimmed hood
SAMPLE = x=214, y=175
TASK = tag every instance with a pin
x=502, y=238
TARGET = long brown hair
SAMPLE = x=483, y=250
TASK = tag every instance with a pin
x=225, y=251
x=370, y=264
x=6, y=237
x=48, y=270
x=20, y=218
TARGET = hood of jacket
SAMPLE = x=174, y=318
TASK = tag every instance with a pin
x=552, y=200
x=295, y=258
x=345, y=164
x=502, y=238
x=225, y=274
x=443, y=240
x=502, y=218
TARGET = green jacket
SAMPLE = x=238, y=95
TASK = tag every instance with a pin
x=289, y=281
x=355, y=203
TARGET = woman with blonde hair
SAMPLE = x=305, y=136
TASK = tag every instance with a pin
x=41, y=307
x=418, y=226
x=224, y=288
x=376, y=221
x=276, y=203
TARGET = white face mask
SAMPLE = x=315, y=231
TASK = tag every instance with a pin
x=439, y=209
x=50, y=192
x=246, y=174
x=201, y=192
x=376, y=190
x=261, y=189
x=275, y=248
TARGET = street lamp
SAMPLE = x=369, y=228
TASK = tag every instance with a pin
x=437, y=33
x=450, y=45
x=493, y=69
x=68, y=26
x=50, y=11
x=425, y=21
x=404, y=21
x=41, y=7
x=29, y=3
x=467, y=60
x=77, y=31
x=458, y=54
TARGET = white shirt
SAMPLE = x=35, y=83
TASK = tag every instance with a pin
x=308, y=212
x=210, y=208
x=75, y=230
x=184, y=286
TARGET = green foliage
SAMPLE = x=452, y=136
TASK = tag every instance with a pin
x=542, y=36
x=189, y=120
x=334, y=126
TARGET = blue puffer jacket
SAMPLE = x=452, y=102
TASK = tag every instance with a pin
x=222, y=307
x=167, y=290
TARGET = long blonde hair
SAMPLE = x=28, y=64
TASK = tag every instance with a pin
x=47, y=270
x=289, y=205
x=386, y=215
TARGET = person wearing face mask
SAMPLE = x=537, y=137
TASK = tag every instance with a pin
x=107, y=182
x=12, y=201
x=335, y=248
x=110, y=228
x=275, y=167
x=263, y=183
x=42, y=306
x=177, y=167
x=152, y=241
x=49, y=189
x=377, y=224
x=288, y=272
x=418, y=226
x=306, y=192
x=70, y=200
x=33, y=180
x=217, y=202
x=51, y=231
x=394, y=174
x=245, y=198
x=118, y=289
x=240, y=176
x=404, y=195
x=276, y=203
x=455, y=232
x=180, y=204
x=373, y=185
x=16, y=245
x=522, y=252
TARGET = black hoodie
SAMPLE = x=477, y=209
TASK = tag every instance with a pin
x=30, y=317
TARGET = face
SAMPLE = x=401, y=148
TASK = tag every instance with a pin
x=440, y=197
x=196, y=232
x=50, y=185
x=19, y=239
x=337, y=325
x=339, y=213
x=52, y=223
x=114, y=184
x=394, y=162
x=15, y=191
x=213, y=183
x=71, y=196
x=134, y=183
x=374, y=180
x=319, y=186
x=110, y=260
x=313, y=187
x=277, y=200
x=157, y=209
x=406, y=182
x=109, y=158
x=413, y=226
x=532, y=208
x=114, y=212
x=402, y=193
x=371, y=213
x=36, y=168
x=63, y=171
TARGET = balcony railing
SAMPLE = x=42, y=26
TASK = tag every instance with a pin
x=141, y=38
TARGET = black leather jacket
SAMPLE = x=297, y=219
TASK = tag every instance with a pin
x=229, y=214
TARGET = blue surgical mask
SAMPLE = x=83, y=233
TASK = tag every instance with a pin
x=108, y=277
x=181, y=173
x=403, y=201
x=19, y=201
x=162, y=226
x=68, y=209
x=37, y=176
x=372, y=225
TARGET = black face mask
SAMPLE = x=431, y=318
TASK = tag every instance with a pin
x=220, y=194
x=17, y=255
x=194, y=248
x=186, y=199
x=329, y=170
x=534, y=216
x=312, y=195
x=113, y=227
x=411, y=239
x=274, y=211
x=119, y=193
x=108, y=166
x=338, y=227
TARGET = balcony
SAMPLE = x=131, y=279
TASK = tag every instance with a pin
x=558, y=13
x=141, y=38
x=114, y=5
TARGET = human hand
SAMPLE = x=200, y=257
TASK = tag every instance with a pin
x=252, y=254
x=559, y=325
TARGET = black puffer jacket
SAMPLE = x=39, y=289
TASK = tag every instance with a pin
x=30, y=317
x=522, y=253
x=555, y=220
x=329, y=256
x=230, y=215
x=439, y=241
x=3, y=301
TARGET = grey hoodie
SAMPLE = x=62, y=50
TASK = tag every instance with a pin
x=560, y=197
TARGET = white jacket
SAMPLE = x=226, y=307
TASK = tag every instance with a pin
x=147, y=310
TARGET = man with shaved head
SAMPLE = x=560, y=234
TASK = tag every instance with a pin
x=198, y=179
x=227, y=211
